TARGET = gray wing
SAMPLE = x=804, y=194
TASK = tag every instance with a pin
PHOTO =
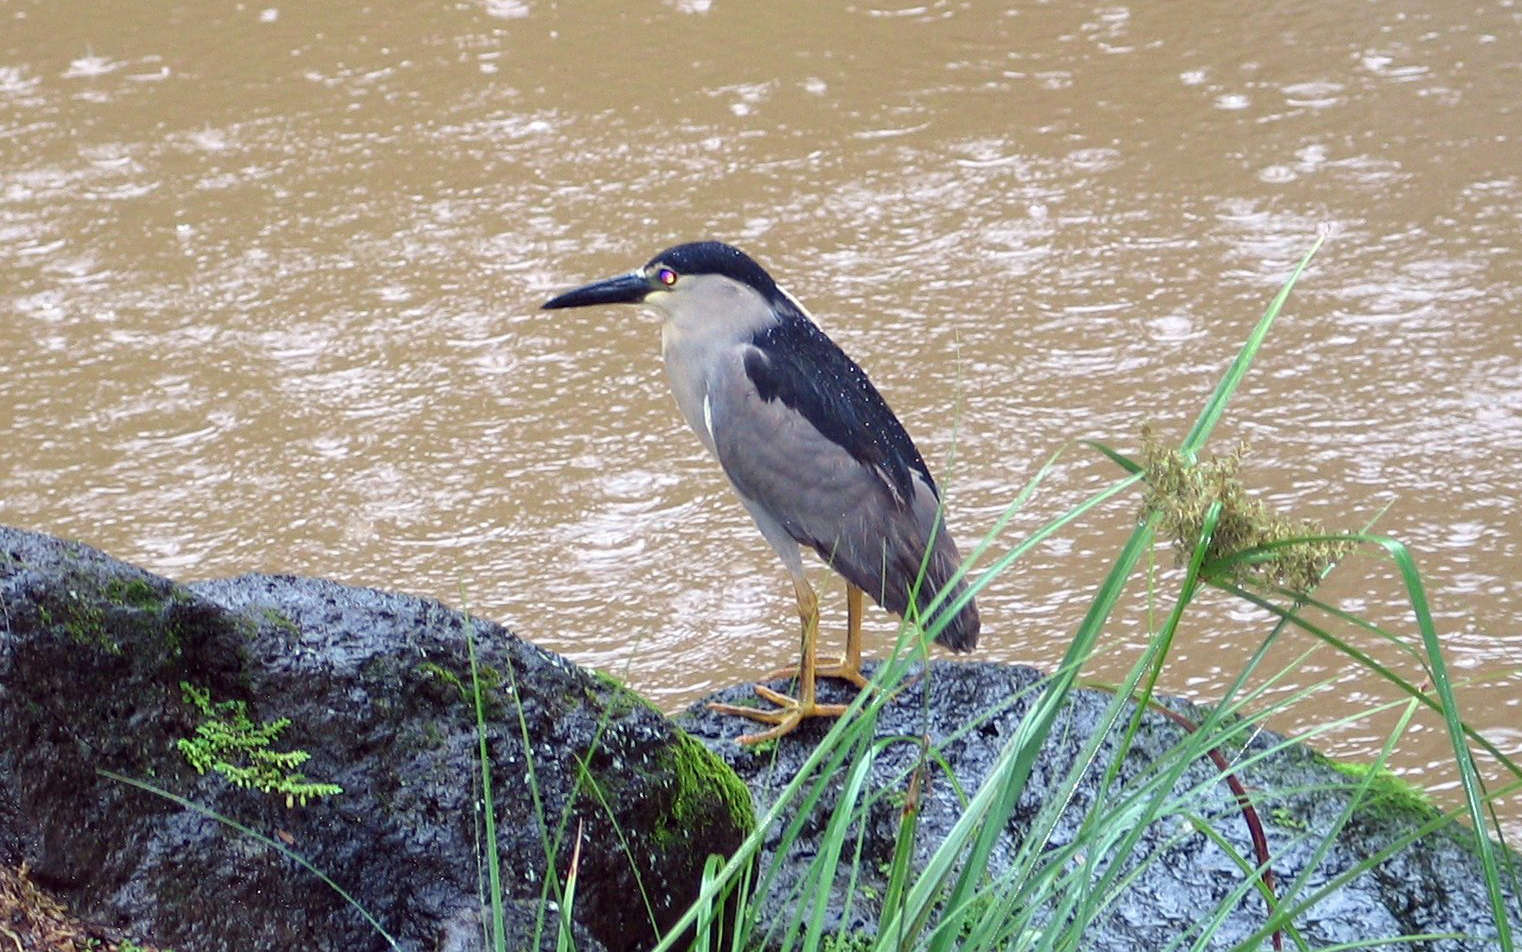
x=847, y=511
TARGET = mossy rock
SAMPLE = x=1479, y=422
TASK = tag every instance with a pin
x=377, y=689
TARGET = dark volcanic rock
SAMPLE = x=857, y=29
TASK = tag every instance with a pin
x=92, y=656
x=93, y=653
x=968, y=711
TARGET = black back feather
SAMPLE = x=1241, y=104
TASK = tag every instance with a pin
x=797, y=363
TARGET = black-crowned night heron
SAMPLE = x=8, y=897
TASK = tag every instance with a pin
x=811, y=447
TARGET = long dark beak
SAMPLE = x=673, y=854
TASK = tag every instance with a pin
x=624, y=289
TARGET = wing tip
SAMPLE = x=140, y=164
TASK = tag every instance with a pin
x=960, y=634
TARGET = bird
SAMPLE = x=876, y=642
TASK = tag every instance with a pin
x=811, y=448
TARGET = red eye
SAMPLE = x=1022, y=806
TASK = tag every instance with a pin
x=666, y=276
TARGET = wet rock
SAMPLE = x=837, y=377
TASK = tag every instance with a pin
x=969, y=710
x=93, y=654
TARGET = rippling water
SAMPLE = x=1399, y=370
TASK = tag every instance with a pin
x=269, y=278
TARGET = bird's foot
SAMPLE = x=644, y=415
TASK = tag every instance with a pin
x=827, y=668
x=785, y=718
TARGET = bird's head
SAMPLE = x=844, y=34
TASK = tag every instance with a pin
x=699, y=281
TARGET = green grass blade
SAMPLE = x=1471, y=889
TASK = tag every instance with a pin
x=565, y=940
x=1373, y=664
x=995, y=799
x=1125, y=462
x=1468, y=775
x=903, y=847
x=489, y=817
x=1232, y=379
x=822, y=871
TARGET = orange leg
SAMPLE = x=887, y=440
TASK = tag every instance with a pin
x=790, y=711
x=847, y=667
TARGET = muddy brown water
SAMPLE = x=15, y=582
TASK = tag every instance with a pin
x=269, y=277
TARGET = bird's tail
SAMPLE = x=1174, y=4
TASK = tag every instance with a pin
x=887, y=560
x=906, y=573
x=960, y=630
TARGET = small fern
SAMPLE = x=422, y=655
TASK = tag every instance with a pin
x=228, y=742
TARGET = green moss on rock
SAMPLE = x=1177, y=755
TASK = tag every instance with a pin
x=107, y=611
x=440, y=678
x=447, y=685
x=281, y=621
x=621, y=700
x=134, y=593
x=84, y=622
x=1386, y=791
x=701, y=779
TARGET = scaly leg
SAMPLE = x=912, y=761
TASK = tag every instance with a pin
x=847, y=667
x=790, y=711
